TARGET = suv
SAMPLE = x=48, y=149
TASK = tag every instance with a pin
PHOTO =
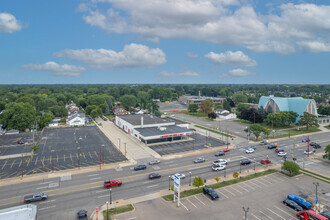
x=217, y=167
x=300, y=201
x=271, y=146
x=220, y=161
x=245, y=162
x=111, y=183
x=277, y=150
x=209, y=191
x=140, y=167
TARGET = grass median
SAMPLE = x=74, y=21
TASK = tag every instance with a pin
x=118, y=210
x=214, y=131
x=191, y=192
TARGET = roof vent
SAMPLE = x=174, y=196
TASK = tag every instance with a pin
x=162, y=128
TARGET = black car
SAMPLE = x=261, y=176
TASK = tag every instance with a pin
x=82, y=214
x=140, y=167
x=292, y=204
x=217, y=154
x=154, y=176
x=316, y=146
x=245, y=162
x=305, y=140
x=271, y=146
x=312, y=143
x=209, y=191
x=20, y=142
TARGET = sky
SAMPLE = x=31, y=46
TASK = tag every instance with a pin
x=164, y=41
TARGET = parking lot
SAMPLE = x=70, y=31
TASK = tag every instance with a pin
x=59, y=149
x=199, y=142
x=263, y=196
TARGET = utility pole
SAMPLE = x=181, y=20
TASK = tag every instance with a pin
x=102, y=154
x=78, y=157
x=316, y=185
x=100, y=157
x=245, y=212
x=308, y=146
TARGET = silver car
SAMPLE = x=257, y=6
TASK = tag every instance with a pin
x=199, y=160
x=154, y=161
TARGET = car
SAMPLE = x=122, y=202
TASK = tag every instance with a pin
x=217, y=167
x=154, y=161
x=249, y=151
x=281, y=154
x=316, y=146
x=220, y=161
x=225, y=150
x=210, y=192
x=154, y=176
x=35, y=197
x=300, y=201
x=271, y=145
x=263, y=142
x=309, y=152
x=265, y=161
x=292, y=204
x=100, y=124
x=199, y=160
x=20, y=142
x=277, y=150
x=312, y=143
x=305, y=140
x=82, y=214
x=180, y=175
x=219, y=153
x=245, y=162
x=140, y=167
x=252, y=147
x=111, y=183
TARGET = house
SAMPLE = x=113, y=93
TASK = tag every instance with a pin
x=119, y=110
x=72, y=108
x=220, y=111
x=53, y=124
x=135, y=111
x=227, y=115
x=76, y=119
x=57, y=119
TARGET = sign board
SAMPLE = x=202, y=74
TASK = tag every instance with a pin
x=176, y=195
x=176, y=181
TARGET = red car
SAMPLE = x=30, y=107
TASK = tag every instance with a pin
x=277, y=150
x=225, y=150
x=265, y=161
x=111, y=183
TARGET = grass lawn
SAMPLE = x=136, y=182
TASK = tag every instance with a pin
x=214, y=131
x=218, y=185
x=199, y=115
x=118, y=210
x=110, y=116
x=265, y=125
x=328, y=127
x=294, y=132
x=178, y=120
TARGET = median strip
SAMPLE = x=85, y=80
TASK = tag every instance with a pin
x=214, y=131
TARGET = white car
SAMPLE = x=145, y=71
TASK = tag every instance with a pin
x=310, y=152
x=217, y=167
x=154, y=161
x=281, y=154
x=249, y=150
x=180, y=175
x=220, y=161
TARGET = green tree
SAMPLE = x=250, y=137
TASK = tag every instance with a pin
x=128, y=101
x=34, y=148
x=218, y=105
x=308, y=120
x=242, y=106
x=59, y=111
x=235, y=175
x=107, y=109
x=327, y=152
x=240, y=98
x=206, y=106
x=2, y=105
x=193, y=107
x=142, y=99
x=46, y=119
x=291, y=166
x=256, y=129
x=96, y=112
x=26, y=99
x=267, y=132
x=198, y=181
x=226, y=105
x=216, y=178
x=18, y=116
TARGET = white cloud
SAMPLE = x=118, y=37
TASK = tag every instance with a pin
x=185, y=73
x=56, y=69
x=238, y=73
x=8, y=23
x=238, y=59
x=192, y=55
x=315, y=46
x=215, y=21
x=133, y=55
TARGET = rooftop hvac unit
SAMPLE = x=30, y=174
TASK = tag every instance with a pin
x=162, y=128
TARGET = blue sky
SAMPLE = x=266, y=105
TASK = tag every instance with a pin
x=164, y=41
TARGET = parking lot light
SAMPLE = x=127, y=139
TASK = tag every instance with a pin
x=110, y=196
x=107, y=210
x=245, y=212
x=254, y=165
x=240, y=166
x=316, y=185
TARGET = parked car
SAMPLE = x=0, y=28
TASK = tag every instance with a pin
x=220, y=153
x=199, y=160
x=245, y=162
x=277, y=150
x=265, y=161
x=263, y=142
x=305, y=140
x=225, y=150
x=300, y=201
x=292, y=204
x=140, y=167
x=272, y=145
x=220, y=161
x=249, y=151
x=111, y=183
x=281, y=154
x=217, y=167
x=154, y=161
x=309, y=152
x=82, y=214
x=154, y=176
x=210, y=192
x=20, y=142
x=35, y=197
x=180, y=175
x=252, y=147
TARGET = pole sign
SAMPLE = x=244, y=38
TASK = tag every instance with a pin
x=176, y=190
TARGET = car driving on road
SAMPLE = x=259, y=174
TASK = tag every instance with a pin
x=252, y=147
x=309, y=152
x=154, y=161
x=245, y=162
x=219, y=153
x=263, y=142
x=265, y=161
x=271, y=145
x=281, y=154
x=35, y=197
x=199, y=160
x=305, y=140
x=210, y=192
x=249, y=151
x=217, y=167
x=277, y=150
x=82, y=214
x=220, y=161
x=180, y=175
x=111, y=183
x=154, y=176
x=140, y=167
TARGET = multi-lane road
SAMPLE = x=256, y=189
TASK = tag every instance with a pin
x=69, y=193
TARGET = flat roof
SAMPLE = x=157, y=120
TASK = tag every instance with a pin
x=147, y=119
x=22, y=212
x=154, y=131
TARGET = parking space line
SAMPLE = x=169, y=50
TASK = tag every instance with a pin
x=229, y=192
x=223, y=194
x=276, y=214
x=207, y=198
x=28, y=162
x=4, y=164
x=64, y=157
x=283, y=211
x=20, y=163
x=42, y=161
x=181, y=203
x=95, y=153
x=248, y=185
x=276, y=177
x=255, y=216
x=264, y=179
x=84, y=155
x=90, y=154
x=57, y=158
x=71, y=158
x=199, y=200
x=77, y=155
x=260, y=182
x=242, y=188
x=191, y=203
x=236, y=190
x=266, y=215
x=12, y=164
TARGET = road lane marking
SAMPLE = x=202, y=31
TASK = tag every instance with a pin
x=195, y=168
x=53, y=200
x=49, y=207
x=151, y=186
x=45, y=182
x=172, y=165
x=191, y=203
x=96, y=178
x=4, y=164
x=131, y=218
x=266, y=215
x=12, y=164
x=276, y=214
x=43, y=187
x=96, y=174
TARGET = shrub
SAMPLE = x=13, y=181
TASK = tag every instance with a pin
x=198, y=181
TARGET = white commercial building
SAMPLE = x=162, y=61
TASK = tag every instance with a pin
x=22, y=212
x=76, y=119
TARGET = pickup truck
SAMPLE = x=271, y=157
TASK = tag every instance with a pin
x=35, y=197
x=111, y=183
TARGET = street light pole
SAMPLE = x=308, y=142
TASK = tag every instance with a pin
x=316, y=185
x=78, y=157
x=240, y=165
x=189, y=178
x=107, y=210
x=245, y=212
x=169, y=182
x=254, y=165
x=110, y=196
